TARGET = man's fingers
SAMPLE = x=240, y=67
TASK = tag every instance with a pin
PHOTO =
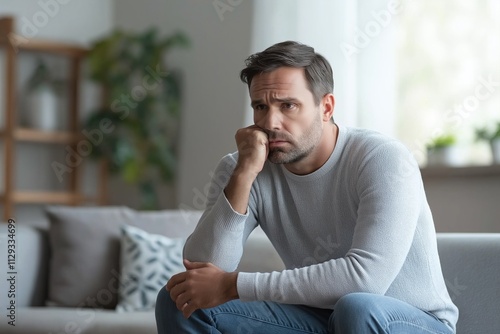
x=188, y=310
x=176, y=279
x=182, y=300
x=194, y=265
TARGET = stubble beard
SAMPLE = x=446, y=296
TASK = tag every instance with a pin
x=301, y=148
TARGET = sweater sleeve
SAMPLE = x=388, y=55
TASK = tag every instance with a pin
x=221, y=232
x=390, y=194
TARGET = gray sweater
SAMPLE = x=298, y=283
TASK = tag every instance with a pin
x=360, y=223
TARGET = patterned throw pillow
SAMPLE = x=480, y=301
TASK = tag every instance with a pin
x=147, y=262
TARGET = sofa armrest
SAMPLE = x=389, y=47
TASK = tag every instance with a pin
x=31, y=264
x=471, y=268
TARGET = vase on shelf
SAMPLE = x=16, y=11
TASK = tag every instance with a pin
x=42, y=109
x=43, y=99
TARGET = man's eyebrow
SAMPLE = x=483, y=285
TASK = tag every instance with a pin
x=255, y=103
x=275, y=99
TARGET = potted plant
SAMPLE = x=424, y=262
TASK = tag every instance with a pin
x=492, y=136
x=42, y=97
x=141, y=106
x=443, y=151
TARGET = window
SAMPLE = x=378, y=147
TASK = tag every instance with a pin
x=448, y=72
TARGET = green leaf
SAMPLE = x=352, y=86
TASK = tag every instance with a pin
x=442, y=141
x=131, y=171
x=488, y=134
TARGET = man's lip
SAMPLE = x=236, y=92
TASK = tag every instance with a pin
x=277, y=142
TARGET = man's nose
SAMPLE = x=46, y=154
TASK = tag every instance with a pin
x=271, y=120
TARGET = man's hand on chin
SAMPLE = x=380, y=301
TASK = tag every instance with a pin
x=202, y=285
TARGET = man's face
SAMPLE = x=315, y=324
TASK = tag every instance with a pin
x=284, y=108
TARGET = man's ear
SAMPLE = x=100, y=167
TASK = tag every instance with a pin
x=328, y=106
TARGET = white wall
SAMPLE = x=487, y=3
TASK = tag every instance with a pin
x=72, y=21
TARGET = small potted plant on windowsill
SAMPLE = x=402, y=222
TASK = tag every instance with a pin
x=492, y=136
x=443, y=151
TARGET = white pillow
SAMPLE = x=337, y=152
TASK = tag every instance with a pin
x=147, y=261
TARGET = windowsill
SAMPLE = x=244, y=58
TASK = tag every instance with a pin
x=465, y=171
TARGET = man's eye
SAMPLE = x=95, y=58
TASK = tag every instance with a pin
x=260, y=107
x=288, y=105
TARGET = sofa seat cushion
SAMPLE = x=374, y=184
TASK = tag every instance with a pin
x=43, y=320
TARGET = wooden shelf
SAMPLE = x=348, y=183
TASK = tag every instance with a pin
x=19, y=42
x=13, y=45
x=465, y=171
x=33, y=135
x=52, y=47
x=48, y=197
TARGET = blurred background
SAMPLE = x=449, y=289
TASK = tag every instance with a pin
x=158, y=94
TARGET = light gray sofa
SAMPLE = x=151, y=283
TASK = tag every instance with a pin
x=471, y=266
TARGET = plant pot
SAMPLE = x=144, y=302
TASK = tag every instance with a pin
x=495, y=150
x=42, y=109
x=445, y=156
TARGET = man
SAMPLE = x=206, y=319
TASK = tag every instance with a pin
x=307, y=182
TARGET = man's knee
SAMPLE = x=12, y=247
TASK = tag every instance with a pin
x=163, y=299
x=355, y=303
x=355, y=311
x=165, y=306
x=166, y=313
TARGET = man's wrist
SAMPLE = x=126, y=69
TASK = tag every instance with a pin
x=232, y=286
x=245, y=175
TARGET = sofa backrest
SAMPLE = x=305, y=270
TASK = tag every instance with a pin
x=470, y=264
x=471, y=267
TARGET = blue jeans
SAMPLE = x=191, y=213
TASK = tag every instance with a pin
x=356, y=313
